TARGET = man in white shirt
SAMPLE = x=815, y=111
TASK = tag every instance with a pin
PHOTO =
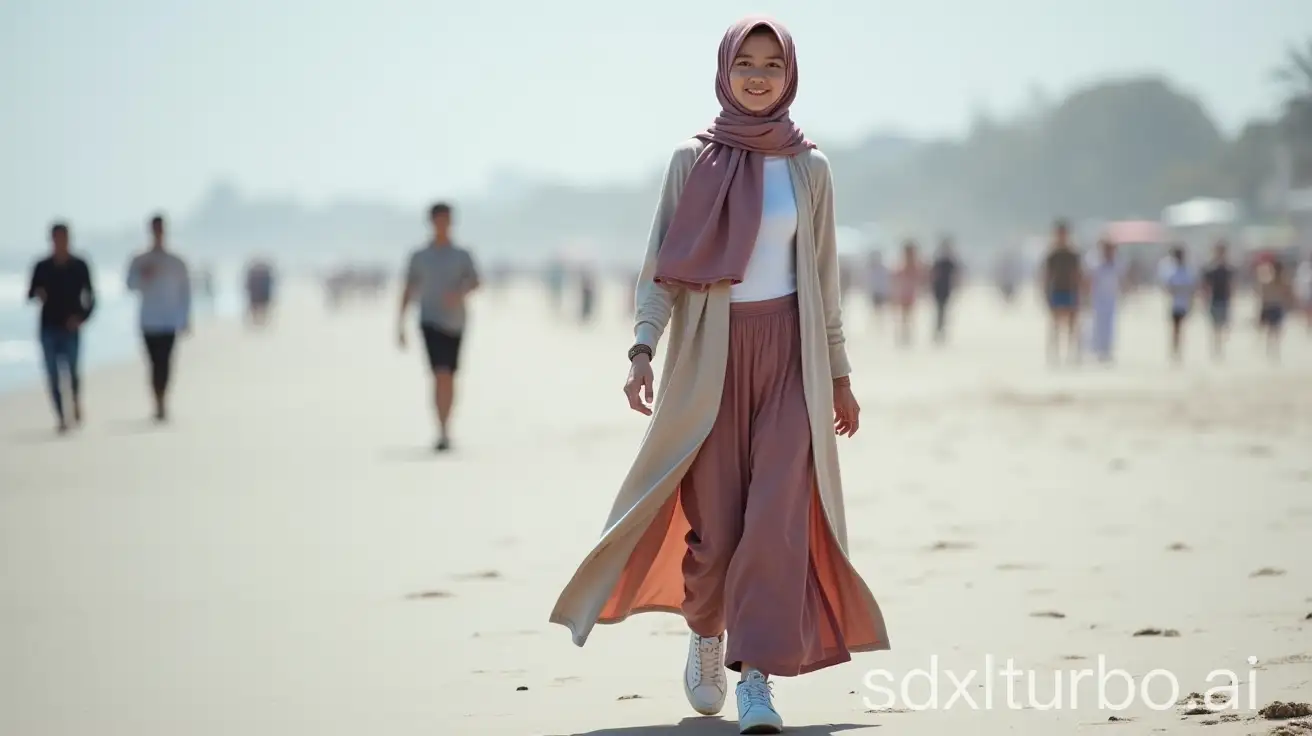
x=162, y=281
x=1180, y=284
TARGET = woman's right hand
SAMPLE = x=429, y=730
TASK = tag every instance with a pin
x=638, y=387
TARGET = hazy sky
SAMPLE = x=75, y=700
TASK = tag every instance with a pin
x=112, y=108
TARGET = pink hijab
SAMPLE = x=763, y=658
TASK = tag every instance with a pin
x=718, y=216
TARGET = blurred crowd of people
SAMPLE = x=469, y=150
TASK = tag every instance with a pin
x=163, y=283
x=1084, y=288
x=354, y=282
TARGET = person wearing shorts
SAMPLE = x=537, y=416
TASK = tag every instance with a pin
x=1063, y=277
x=1180, y=284
x=440, y=275
x=1218, y=287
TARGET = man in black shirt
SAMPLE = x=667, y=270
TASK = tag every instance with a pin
x=943, y=277
x=62, y=283
x=1218, y=285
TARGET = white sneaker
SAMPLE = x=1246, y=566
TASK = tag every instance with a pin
x=703, y=676
x=756, y=714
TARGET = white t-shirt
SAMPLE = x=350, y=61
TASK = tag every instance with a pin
x=772, y=270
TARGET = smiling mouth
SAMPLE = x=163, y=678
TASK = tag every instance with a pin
x=757, y=92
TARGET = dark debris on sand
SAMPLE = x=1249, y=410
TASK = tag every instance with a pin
x=1048, y=614
x=1280, y=711
x=1293, y=728
x=1218, y=697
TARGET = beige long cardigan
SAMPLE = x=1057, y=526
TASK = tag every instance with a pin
x=692, y=378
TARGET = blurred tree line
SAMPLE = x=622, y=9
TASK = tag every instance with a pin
x=1117, y=149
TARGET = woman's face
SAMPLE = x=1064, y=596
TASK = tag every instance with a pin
x=758, y=72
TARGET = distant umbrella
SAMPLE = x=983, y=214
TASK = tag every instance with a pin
x=1126, y=232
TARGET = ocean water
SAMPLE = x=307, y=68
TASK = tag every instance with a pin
x=111, y=336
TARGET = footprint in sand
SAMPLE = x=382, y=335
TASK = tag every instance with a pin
x=429, y=594
x=948, y=546
x=1047, y=614
x=1015, y=566
x=1290, y=659
x=1169, y=633
x=483, y=575
x=1177, y=547
x=1267, y=572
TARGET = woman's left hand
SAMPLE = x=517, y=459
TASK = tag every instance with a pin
x=847, y=413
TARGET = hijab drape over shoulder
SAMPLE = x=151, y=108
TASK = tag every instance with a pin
x=715, y=224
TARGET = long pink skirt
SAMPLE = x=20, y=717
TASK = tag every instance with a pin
x=744, y=546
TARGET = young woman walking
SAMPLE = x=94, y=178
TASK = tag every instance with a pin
x=909, y=279
x=732, y=512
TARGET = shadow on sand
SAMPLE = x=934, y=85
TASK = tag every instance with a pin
x=717, y=727
x=411, y=454
x=36, y=437
x=123, y=427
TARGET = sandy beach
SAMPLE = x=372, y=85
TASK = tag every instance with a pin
x=289, y=557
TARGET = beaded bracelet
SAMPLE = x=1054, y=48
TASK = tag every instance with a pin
x=843, y=381
x=639, y=349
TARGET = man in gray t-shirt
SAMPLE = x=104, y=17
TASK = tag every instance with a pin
x=440, y=275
